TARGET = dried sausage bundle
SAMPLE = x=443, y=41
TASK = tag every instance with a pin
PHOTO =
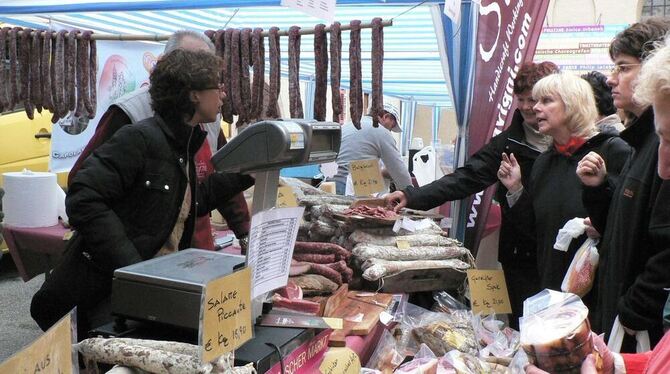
x=355, y=74
x=377, y=107
x=295, y=103
x=258, y=86
x=321, y=72
x=275, y=73
x=245, y=84
x=335, y=69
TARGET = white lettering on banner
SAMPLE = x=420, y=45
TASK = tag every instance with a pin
x=473, y=213
x=493, y=7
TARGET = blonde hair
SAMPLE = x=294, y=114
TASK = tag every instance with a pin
x=577, y=96
x=654, y=78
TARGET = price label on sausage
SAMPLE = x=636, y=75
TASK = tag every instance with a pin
x=225, y=314
x=286, y=198
x=402, y=244
x=50, y=353
x=488, y=292
x=366, y=177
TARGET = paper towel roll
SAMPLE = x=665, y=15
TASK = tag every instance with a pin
x=32, y=199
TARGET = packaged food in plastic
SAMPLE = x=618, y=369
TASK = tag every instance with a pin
x=582, y=271
x=556, y=338
x=424, y=362
x=463, y=363
x=385, y=357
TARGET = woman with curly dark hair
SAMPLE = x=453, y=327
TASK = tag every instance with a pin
x=137, y=196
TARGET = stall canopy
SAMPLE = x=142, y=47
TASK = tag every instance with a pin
x=413, y=67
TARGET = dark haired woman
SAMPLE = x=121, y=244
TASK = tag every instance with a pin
x=137, y=196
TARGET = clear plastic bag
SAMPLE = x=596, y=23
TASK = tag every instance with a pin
x=386, y=357
x=582, y=271
x=424, y=362
x=446, y=303
x=494, y=338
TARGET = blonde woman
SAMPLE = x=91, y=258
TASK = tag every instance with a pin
x=566, y=111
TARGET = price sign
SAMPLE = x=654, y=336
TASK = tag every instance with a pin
x=488, y=292
x=402, y=244
x=225, y=314
x=50, y=353
x=286, y=198
x=366, y=177
x=340, y=361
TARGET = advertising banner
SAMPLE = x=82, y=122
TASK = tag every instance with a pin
x=507, y=34
x=122, y=68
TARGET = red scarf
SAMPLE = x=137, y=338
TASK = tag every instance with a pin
x=570, y=147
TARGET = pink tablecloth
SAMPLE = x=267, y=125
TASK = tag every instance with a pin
x=35, y=250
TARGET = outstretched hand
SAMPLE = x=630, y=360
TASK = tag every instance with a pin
x=509, y=173
x=396, y=200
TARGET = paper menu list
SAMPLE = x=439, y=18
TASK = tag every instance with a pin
x=271, y=241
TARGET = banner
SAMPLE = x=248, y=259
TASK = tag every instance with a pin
x=122, y=67
x=507, y=34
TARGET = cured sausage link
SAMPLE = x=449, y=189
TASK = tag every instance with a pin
x=355, y=74
x=377, y=107
x=321, y=72
x=335, y=69
x=295, y=103
x=275, y=73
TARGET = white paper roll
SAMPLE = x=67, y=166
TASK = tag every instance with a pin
x=31, y=199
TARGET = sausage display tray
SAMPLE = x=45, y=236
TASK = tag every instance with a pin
x=168, y=289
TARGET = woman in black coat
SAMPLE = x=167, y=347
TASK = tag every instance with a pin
x=565, y=110
x=137, y=196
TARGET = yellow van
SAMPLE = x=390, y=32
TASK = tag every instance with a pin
x=25, y=144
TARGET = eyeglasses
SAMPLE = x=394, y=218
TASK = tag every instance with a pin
x=622, y=68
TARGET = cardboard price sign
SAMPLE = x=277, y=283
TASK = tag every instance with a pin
x=286, y=198
x=340, y=361
x=488, y=292
x=50, y=353
x=366, y=177
x=225, y=314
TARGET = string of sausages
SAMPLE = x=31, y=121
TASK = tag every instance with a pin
x=248, y=99
x=58, y=73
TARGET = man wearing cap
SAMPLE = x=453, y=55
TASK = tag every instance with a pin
x=372, y=143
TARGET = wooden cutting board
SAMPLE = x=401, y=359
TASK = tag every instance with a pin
x=360, y=312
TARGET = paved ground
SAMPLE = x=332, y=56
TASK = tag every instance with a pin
x=17, y=328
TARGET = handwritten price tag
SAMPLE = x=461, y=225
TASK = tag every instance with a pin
x=488, y=292
x=50, y=353
x=366, y=177
x=402, y=244
x=286, y=198
x=225, y=314
x=340, y=361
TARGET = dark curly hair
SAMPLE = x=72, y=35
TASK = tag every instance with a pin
x=601, y=91
x=530, y=72
x=175, y=76
x=640, y=38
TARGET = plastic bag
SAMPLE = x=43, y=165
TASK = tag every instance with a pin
x=572, y=229
x=386, y=357
x=465, y=363
x=424, y=362
x=555, y=332
x=446, y=303
x=493, y=337
x=582, y=271
x=442, y=332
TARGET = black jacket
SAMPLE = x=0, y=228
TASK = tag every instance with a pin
x=516, y=247
x=634, y=217
x=125, y=200
x=553, y=197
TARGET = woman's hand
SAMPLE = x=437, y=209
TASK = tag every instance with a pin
x=591, y=232
x=591, y=170
x=509, y=173
x=591, y=364
x=396, y=200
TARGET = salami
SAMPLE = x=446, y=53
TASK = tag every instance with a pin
x=4, y=73
x=275, y=73
x=258, y=53
x=321, y=248
x=355, y=74
x=295, y=103
x=342, y=268
x=375, y=269
x=360, y=236
x=35, y=70
x=93, y=79
x=80, y=72
x=227, y=110
x=58, y=76
x=24, y=67
x=314, y=258
x=45, y=66
x=366, y=251
x=377, y=107
x=70, y=71
x=245, y=84
x=314, y=284
x=327, y=272
x=13, y=87
x=321, y=72
x=335, y=69
x=235, y=73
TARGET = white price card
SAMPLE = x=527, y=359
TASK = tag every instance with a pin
x=271, y=241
